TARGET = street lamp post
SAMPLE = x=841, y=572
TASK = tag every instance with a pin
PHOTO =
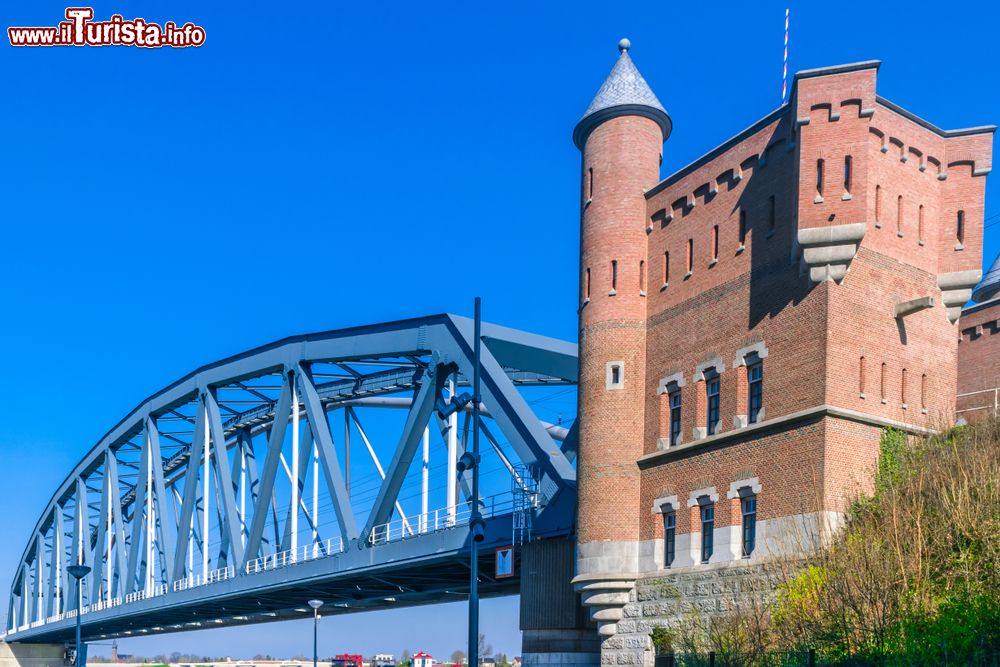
x=315, y=604
x=476, y=524
x=78, y=572
x=469, y=461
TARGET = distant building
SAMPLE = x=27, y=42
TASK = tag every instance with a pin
x=422, y=659
x=384, y=660
x=347, y=660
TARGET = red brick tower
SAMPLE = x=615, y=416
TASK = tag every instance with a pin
x=621, y=136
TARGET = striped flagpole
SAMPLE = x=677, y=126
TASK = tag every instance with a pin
x=784, y=68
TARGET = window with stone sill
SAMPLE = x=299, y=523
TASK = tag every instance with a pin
x=712, y=394
x=669, y=536
x=748, y=511
x=755, y=392
x=707, y=511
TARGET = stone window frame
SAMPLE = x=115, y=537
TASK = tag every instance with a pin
x=738, y=490
x=715, y=367
x=663, y=506
x=745, y=357
x=668, y=385
x=609, y=375
x=695, y=505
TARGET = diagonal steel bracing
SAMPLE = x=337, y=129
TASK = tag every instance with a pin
x=195, y=468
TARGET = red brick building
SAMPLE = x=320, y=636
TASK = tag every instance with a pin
x=979, y=351
x=751, y=323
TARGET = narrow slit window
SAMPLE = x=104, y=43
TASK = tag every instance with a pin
x=666, y=267
x=923, y=391
x=902, y=388
x=772, y=213
x=878, y=204
x=861, y=376
x=960, y=227
x=847, y=174
x=690, y=255
x=743, y=227
x=715, y=242
x=586, y=284
x=819, y=177
x=614, y=275
x=590, y=183
x=899, y=215
x=642, y=276
x=920, y=223
x=882, y=383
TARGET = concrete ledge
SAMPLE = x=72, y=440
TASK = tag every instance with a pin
x=755, y=430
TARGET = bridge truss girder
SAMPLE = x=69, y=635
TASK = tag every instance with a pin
x=180, y=476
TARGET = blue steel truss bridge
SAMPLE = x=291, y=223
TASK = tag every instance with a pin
x=230, y=497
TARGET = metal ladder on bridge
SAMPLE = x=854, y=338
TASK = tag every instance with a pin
x=525, y=491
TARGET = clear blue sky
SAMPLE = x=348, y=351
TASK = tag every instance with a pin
x=317, y=165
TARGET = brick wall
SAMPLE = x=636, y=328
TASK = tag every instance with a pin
x=979, y=360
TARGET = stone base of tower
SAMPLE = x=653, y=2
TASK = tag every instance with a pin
x=682, y=596
x=32, y=655
x=555, y=629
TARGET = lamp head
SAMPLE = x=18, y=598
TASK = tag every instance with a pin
x=315, y=604
x=78, y=571
x=465, y=462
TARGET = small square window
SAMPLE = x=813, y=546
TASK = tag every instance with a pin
x=615, y=375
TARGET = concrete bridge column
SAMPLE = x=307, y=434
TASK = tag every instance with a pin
x=32, y=655
x=554, y=626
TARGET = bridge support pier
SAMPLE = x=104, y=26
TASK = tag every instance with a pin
x=555, y=628
x=32, y=655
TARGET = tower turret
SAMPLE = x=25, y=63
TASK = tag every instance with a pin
x=621, y=136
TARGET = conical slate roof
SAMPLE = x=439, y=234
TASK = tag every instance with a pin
x=989, y=286
x=624, y=93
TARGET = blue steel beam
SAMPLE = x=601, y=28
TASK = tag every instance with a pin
x=511, y=357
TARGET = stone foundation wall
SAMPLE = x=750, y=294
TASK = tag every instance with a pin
x=668, y=598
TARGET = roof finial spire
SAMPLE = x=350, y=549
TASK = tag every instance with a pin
x=624, y=45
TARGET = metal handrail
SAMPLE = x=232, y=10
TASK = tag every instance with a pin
x=442, y=518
